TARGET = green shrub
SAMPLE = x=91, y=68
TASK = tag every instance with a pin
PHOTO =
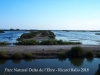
x=49, y=42
x=62, y=54
x=17, y=55
x=28, y=55
x=3, y=43
x=19, y=39
x=90, y=54
x=28, y=35
x=51, y=36
x=32, y=34
x=34, y=55
x=28, y=42
x=44, y=33
x=3, y=55
x=60, y=42
x=45, y=42
x=76, y=52
x=57, y=42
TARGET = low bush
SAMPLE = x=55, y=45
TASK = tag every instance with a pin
x=3, y=55
x=45, y=42
x=34, y=55
x=62, y=54
x=52, y=36
x=28, y=55
x=27, y=42
x=32, y=34
x=49, y=42
x=17, y=55
x=19, y=39
x=57, y=42
x=28, y=35
x=3, y=43
x=76, y=52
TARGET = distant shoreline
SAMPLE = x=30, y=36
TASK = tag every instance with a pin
x=50, y=30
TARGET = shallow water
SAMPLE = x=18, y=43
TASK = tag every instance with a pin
x=84, y=37
x=10, y=36
x=76, y=66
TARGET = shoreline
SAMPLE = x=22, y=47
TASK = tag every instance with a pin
x=37, y=48
x=46, y=51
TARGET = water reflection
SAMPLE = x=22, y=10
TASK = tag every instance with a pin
x=54, y=63
x=3, y=61
x=90, y=59
x=16, y=61
x=28, y=60
x=62, y=59
x=76, y=61
x=98, y=71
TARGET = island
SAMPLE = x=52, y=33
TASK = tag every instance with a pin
x=41, y=37
x=97, y=33
x=43, y=44
x=1, y=31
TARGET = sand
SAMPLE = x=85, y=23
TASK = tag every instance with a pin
x=45, y=48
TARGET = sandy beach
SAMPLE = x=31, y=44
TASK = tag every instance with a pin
x=46, y=48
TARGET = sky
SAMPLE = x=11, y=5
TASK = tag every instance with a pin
x=50, y=14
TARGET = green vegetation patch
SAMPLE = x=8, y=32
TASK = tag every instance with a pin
x=76, y=52
x=48, y=42
x=32, y=34
x=17, y=55
x=3, y=43
x=3, y=54
x=28, y=42
x=45, y=42
x=62, y=54
x=28, y=55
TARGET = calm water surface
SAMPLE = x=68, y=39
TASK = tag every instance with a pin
x=10, y=36
x=83, y=66
x=84, y=37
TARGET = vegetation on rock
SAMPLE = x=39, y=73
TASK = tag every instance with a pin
x=1, y=31
x=42, y=33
